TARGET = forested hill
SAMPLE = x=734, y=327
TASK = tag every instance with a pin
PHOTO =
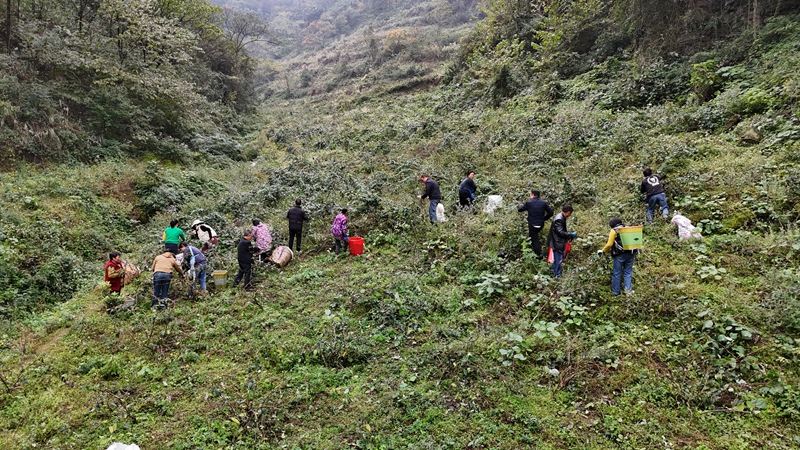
x=438, y=336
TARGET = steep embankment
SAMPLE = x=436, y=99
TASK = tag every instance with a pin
x=451, y=336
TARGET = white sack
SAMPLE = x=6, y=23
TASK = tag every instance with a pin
x=685, y=228
x=121, y=446
x=440, y=213
x=493, y=202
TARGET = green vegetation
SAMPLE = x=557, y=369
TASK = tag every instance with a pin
x=448, y=336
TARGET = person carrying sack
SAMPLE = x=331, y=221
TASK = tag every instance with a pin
x=623, y=259
x=558, y=239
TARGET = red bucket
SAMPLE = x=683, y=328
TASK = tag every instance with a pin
x=356, y=245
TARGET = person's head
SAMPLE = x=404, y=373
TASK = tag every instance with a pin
x=182, y=246
x=566, y=210
x=298, y=202
x=248, y=235
x=647, y=172
x=196, y=223
x=256, y=222
x=166, y=250
x=614, y=222
x=534, y=193
x=344, y=211
x=114, y=256
x=471, y=174
x=423, y=178
x=173, y=223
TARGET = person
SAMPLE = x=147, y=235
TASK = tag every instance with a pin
x=653, y=190
x=433, y=193
x=244, y=254
x=623, y=259
x=162, y=275
x=197, y=265
x=538, y=213
x=558, y=238
x=466, y=191
x=263, y=239
x=296, y=216
x=339, y=230
x=173, y=236
x=206, y=234
x=114, y=272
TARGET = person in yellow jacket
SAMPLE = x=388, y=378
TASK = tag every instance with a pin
x=162, y=275
x=623, y=259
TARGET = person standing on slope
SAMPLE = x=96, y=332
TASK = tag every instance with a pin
x=433, y=193
x=466, y=191
x=339, y=231
x=559, y=238
x=206, y=234
x=173, y=236
x=623, y=259
x=296, y=216
x=538, y=213
x=653, y=190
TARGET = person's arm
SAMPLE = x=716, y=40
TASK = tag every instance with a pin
x=548, y=211
x=643, y=187
x=183, y=235
x=164, y=236
x=153, y=269
x=523, y=207
x=427, y=192
x=611, y=237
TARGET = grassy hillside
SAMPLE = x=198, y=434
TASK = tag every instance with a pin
x=437, y=337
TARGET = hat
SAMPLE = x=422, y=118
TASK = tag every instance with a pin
x=196, y=222
x=614, y=222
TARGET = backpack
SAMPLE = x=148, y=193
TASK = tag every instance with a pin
x=617, y=248
x=339, y=226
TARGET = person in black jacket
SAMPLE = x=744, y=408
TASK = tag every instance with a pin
x=433, y=193
x=653, y=190
x=538, y=213
x=244, y=254
x=466, y=191
x=296, y=216
x=558, y=237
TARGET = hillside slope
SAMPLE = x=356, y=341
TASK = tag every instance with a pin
x=437, y=337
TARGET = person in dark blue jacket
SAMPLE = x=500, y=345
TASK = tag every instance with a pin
x=466, y=191
x=558, y=238
x=538, y=213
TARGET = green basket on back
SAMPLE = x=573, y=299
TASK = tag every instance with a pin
x=631, y=237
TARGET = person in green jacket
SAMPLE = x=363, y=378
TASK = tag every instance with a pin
x=173, y=236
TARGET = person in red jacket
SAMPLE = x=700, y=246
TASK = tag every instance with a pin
x=114, y=272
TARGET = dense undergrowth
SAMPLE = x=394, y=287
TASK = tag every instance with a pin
x=437, y=337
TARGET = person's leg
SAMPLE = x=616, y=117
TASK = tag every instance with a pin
x=337, y=246
x=292, y=234
x=628, y=271
x=558, y=258
x=463, y=199
x=432, y=211
x=651, y=205
x=299, y=236
x=662, y=201
x=533, y=233
x=247, y=272
x=201, y=274
x=616, y=274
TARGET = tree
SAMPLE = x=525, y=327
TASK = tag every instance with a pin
x=246, y=28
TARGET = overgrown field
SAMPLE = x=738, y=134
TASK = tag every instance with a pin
x=437, y=337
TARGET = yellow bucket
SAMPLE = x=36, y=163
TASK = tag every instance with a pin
x=631, y=237
x=220, y=277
